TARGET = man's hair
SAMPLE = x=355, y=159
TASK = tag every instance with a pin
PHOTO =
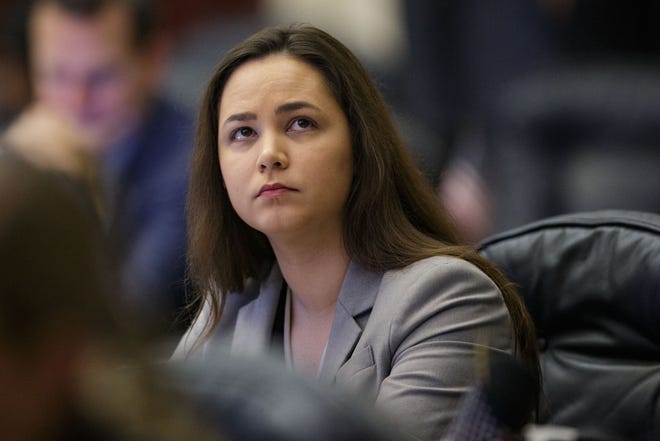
x=143, y=13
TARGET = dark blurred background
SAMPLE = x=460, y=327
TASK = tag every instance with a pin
x=517, y=109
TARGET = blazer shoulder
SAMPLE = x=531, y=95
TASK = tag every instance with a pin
x=202, y=324
x=440, y=287
x=436, y=271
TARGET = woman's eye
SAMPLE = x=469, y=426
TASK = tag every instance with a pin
x=301, y=124
x=242, y=133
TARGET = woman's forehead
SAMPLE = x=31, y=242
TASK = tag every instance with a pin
x=279, y=77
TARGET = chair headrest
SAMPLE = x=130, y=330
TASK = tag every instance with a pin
x=586, y=266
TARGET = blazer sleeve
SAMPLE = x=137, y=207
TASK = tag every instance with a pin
x=444, y=308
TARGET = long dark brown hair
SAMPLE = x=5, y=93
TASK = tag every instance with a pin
x=392, y=216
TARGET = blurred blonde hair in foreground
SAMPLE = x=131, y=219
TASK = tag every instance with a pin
x=67, y=368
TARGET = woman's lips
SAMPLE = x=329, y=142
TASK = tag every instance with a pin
x=272, y=190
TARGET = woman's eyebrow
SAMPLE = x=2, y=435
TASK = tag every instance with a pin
x=284, y=108
x=295, y=105
x=245, y=116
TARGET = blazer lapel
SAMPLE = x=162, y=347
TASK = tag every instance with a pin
x=356, y=297
x=254, y=322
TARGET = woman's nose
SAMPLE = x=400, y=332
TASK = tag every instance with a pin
x=272, y=157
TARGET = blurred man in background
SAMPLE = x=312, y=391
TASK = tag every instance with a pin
x=96, y=67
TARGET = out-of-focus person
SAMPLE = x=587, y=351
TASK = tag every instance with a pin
x=69, y=368
x=96, y=67
x=53, y=284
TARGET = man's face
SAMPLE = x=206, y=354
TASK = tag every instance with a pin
x=88, y=70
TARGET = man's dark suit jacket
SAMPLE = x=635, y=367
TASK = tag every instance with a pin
x=147, y=179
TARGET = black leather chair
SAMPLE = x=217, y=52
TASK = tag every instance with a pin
x=591, y=282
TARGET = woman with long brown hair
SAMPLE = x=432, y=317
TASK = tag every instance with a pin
x=313, y=234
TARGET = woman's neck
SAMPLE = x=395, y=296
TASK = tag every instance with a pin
x=314, y=274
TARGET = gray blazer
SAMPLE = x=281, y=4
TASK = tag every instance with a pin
x=405, y=339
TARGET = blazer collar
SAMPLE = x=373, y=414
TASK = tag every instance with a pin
x=356, y=297
x=254, y=323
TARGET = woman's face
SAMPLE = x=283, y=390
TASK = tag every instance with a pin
x=285, y=149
